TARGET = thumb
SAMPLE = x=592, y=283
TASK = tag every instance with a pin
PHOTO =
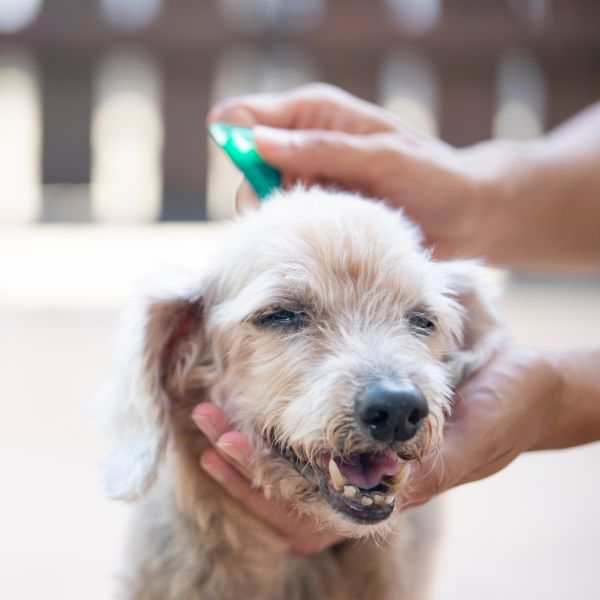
x=245, y=198
x=437, y=472
x=316, y=154
x=427, y=479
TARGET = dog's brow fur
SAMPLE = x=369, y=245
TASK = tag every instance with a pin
x=355, y=270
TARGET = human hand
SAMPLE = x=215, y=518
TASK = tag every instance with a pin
x=506, y=408
x=302, y=535
x=321, y=134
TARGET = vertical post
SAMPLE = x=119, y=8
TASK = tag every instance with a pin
x=66, y=60
x=187, y=80
x=66, y=116
x=572, y=83
x=467, y=94
x=361, y=78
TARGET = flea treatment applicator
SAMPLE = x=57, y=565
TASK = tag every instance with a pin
x=238, y=143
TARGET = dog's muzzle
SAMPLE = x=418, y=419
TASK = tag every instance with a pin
x=363, y=484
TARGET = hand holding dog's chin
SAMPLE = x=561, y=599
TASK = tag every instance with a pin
x=503, y=410
x=226, y=463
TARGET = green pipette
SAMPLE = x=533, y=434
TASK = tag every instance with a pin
x=238, y=143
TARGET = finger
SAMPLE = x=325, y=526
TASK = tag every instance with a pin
x=275, y=110
x=237, y=450
x=237, y=486
x=318, y=154
x=426, y=480
x=246, y=198
x=441, y=470
x=289, y=181
x=231, y=444
x=301, y=536
x=313, y=106
x=210, y=419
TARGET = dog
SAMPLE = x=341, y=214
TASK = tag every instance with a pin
x=333, y=341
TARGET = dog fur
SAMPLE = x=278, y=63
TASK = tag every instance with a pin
x=355, y=271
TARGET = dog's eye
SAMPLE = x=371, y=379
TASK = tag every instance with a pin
x=421, y=323
x=283, y=317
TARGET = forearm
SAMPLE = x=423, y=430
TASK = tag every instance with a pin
x=574, y=418
x=547, y=197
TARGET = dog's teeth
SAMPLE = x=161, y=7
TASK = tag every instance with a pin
x=350, y=491
x=378, y=499
x=389, y=498
x=338, y=480
x=366, y=501
x=400, y=478
x=404, y=474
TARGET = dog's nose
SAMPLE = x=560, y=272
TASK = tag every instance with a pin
x=391, y=412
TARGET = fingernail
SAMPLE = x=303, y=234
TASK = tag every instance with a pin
x=230, y=113
x=272, y=135
x=206, y=426
x=231, y=451
x=212, y=469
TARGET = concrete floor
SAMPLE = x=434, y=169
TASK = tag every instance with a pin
x=531, y=532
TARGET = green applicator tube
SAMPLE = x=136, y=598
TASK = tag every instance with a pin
x=238, y=143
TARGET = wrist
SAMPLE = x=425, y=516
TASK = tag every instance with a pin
x=576, y=416
x=493, y=171
x=550, y=401
x=504, y=175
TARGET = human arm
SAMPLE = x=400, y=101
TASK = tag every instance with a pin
x=524, y=400
x=519, y=204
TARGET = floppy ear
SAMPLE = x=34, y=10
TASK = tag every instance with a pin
x=157, y=345
x=482, y=332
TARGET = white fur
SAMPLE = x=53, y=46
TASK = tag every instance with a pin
x=358, y=269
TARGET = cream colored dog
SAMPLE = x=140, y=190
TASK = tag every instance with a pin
x=332, y=340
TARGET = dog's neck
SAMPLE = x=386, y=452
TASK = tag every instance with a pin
x=235, y=551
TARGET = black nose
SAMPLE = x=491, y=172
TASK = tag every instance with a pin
x=391, y=412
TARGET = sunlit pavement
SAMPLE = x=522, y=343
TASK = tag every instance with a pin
x=531, y=532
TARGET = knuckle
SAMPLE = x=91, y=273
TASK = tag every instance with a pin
x=319, y=143
x=320, y=94
x=320, y=89
x=237, y=111
x=384, y=155
x=327, y=142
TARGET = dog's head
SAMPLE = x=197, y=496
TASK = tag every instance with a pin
x=329, y=337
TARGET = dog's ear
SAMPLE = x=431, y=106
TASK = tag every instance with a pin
x=157, y=345
x=482, y=331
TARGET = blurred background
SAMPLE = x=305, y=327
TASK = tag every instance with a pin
x=105, y=170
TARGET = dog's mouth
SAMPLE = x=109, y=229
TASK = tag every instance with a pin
x=361, y=486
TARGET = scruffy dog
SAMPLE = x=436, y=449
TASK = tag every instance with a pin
x=332, y=340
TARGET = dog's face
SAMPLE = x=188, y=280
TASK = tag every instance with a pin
x=330, y=338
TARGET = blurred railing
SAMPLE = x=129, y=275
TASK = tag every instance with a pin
x=102, y=102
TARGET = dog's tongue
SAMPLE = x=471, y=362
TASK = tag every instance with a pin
x=366, y=470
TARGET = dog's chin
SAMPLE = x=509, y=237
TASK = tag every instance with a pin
x=359, y=489
x=338, y=523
